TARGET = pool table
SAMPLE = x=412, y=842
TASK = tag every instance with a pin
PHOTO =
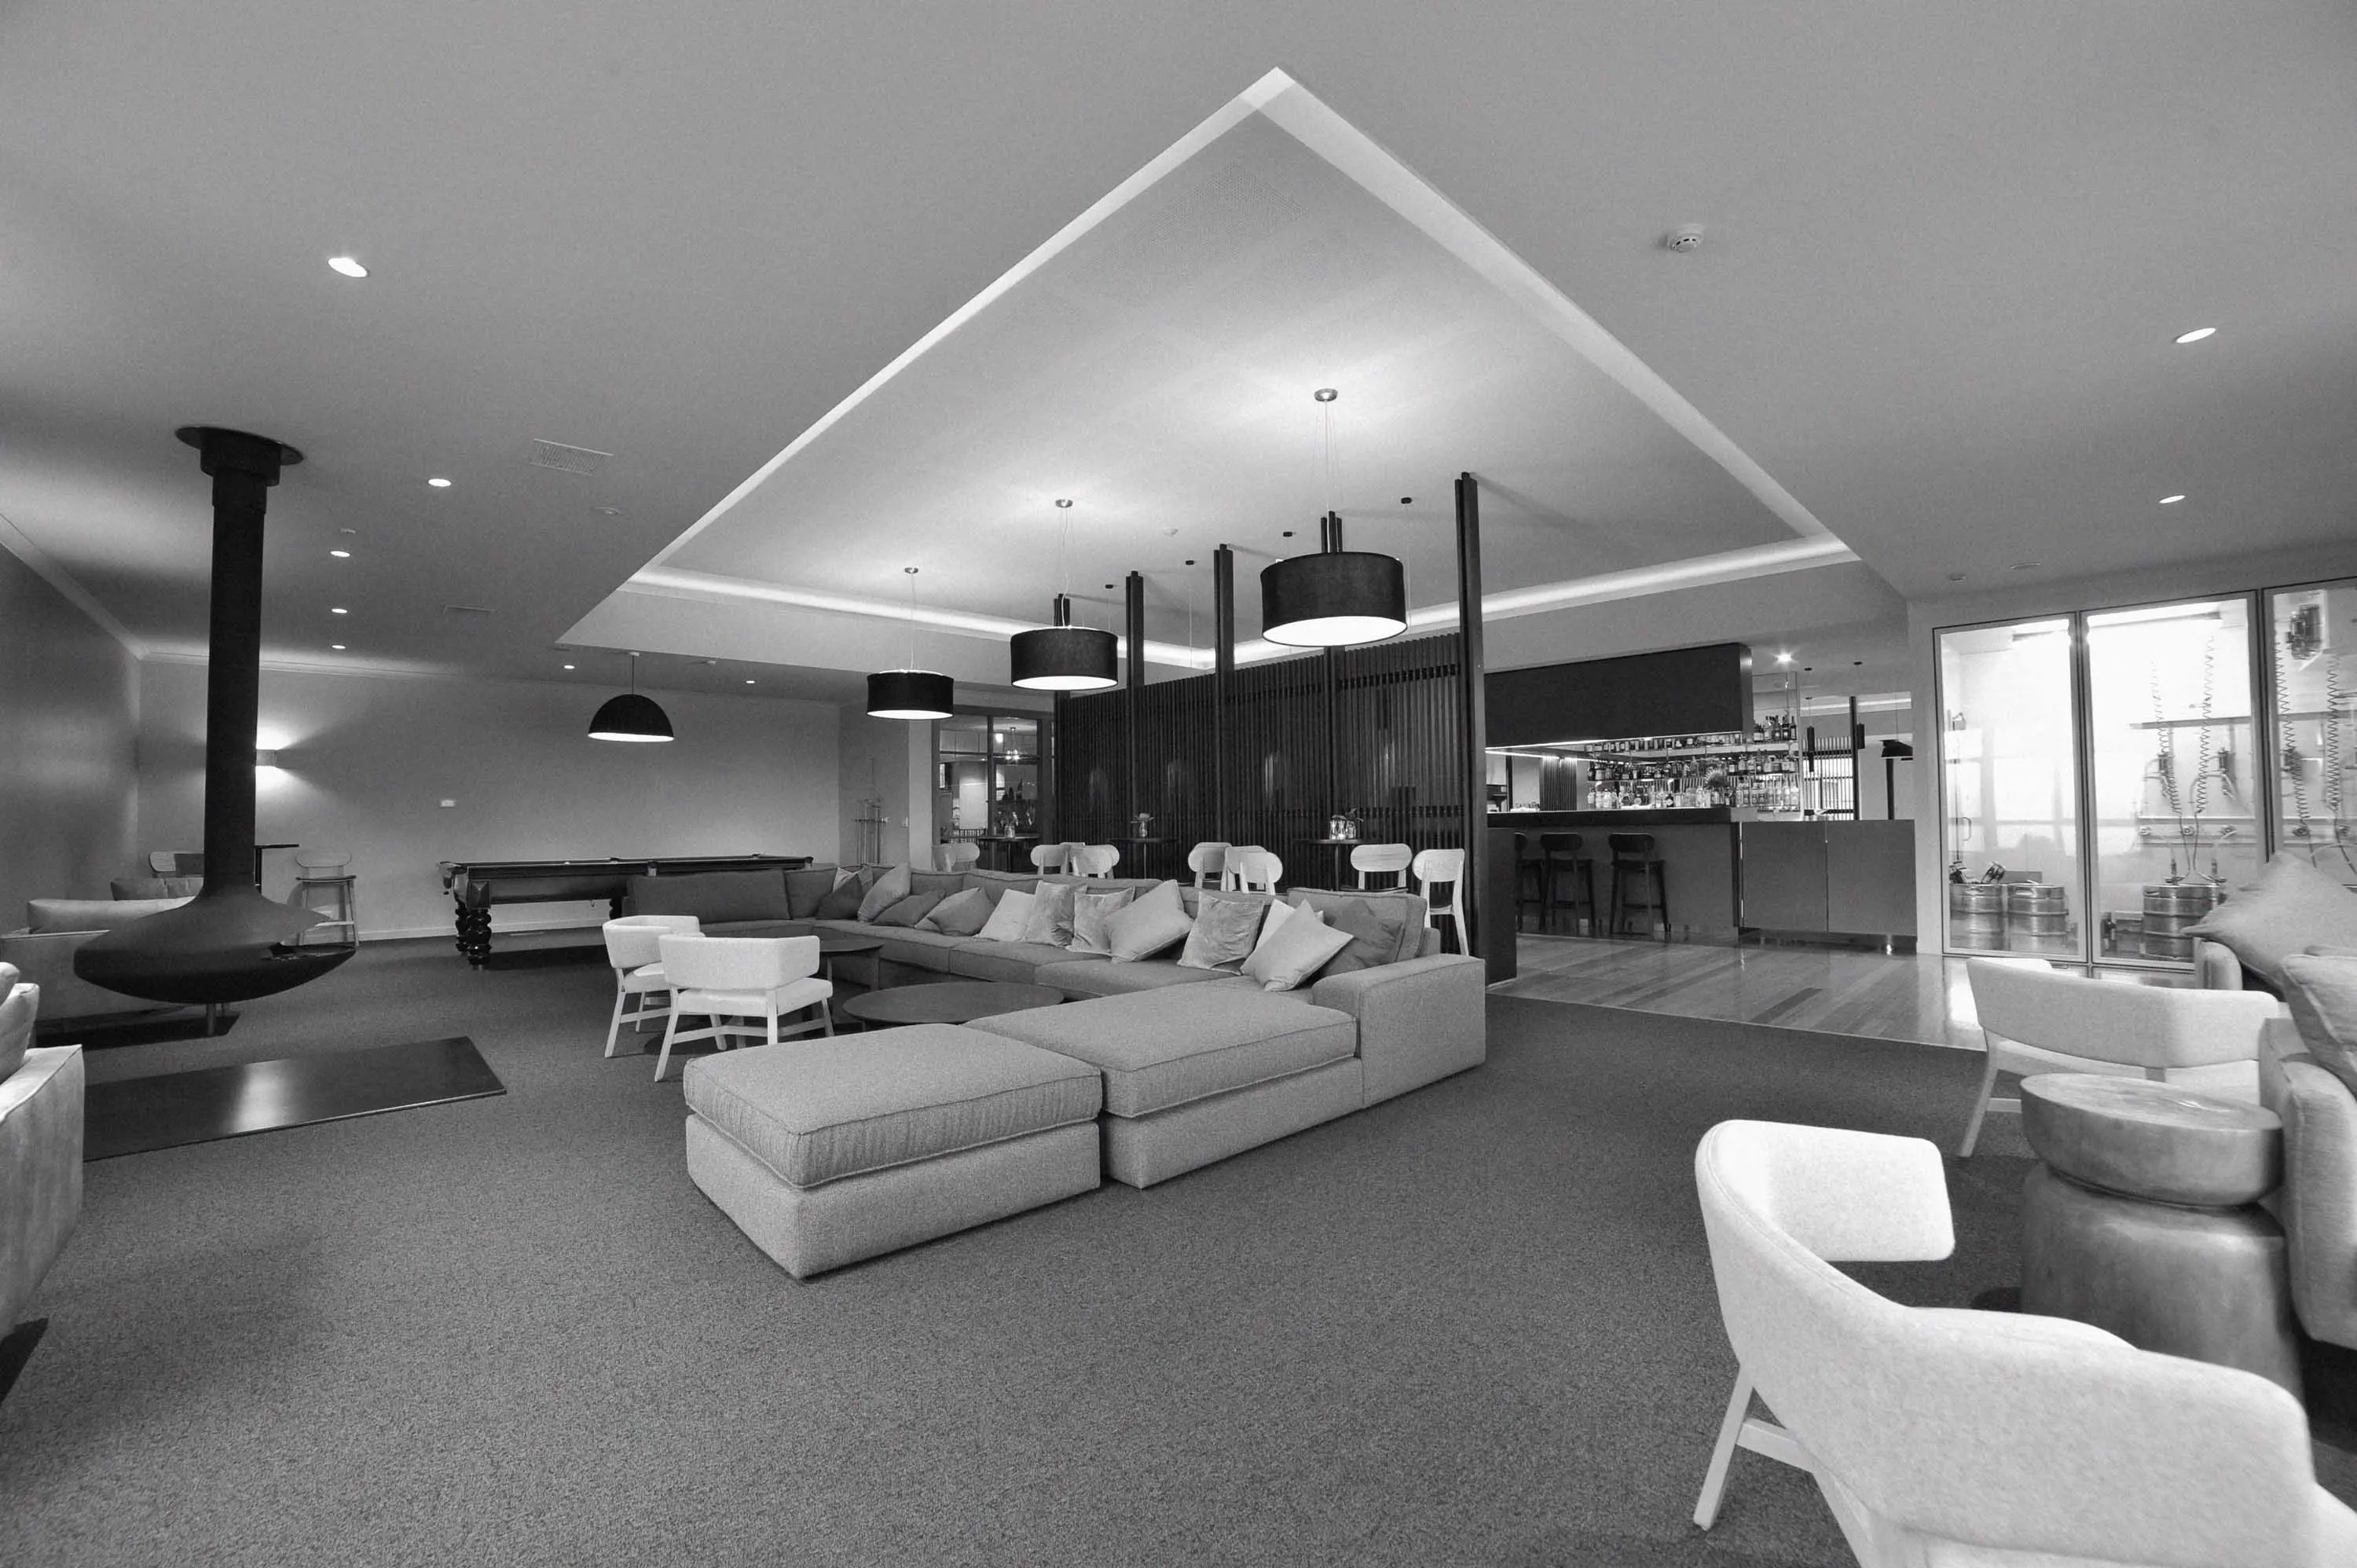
x=475, y=885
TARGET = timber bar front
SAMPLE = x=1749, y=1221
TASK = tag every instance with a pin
x=1652, y=772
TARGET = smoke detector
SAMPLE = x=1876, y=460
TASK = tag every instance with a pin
x=1684, y=237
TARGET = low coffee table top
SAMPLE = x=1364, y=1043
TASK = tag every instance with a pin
x=834, y=944
x=953, y=1002
x=2152, y=1140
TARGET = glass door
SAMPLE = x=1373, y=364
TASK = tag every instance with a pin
x=2174, y=771
x=2312, y=632
x=2009, y=789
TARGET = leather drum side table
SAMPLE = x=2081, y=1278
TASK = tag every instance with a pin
x=2142, y=1220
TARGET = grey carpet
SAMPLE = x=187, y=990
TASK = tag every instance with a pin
x=1471, y=1326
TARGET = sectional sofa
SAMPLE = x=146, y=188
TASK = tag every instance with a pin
x=853, y=1148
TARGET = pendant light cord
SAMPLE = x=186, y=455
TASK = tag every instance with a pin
x=911, y=571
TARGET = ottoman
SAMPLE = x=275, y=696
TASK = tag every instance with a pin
x=1195, y=1073
x=831, y=1151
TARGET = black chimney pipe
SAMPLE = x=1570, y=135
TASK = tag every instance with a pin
x=230, y=942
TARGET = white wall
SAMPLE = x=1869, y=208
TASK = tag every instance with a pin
x=890, y=759
x=366, y=760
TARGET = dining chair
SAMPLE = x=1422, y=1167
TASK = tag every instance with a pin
x=1209, y=862
x=1948, y=1436
x=1230, y=859
x=1096, y=859
x=634, y=952
x=959, y=854
x=1447, y=866
x=1050, y=856
x=729, y=982
x=2036, y=1019
x=1391, y=860
x=1252, y=869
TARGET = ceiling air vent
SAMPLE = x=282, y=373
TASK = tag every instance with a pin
x=567, y=460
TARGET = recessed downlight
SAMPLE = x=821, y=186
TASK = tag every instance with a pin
x=336, y=646
x=339, y=610
x=2171, y=500
x=440, y=483
x=2198, y=334
x=1955, y=576
x=748, y=683
x=348, y=266
x=341, y=554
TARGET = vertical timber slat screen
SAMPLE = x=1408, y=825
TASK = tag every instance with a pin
x=1394, y=735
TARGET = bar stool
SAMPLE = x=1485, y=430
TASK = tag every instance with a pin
x=1529, y=881
x=326, y=874
x=1637, y=869
x=1560, y=854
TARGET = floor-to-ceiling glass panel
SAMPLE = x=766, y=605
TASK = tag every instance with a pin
x=2009, y=789
x=2176, y=776
x=1015, y=776
x=2314, y=635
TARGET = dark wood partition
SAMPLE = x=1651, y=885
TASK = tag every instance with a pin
x=1388, y=740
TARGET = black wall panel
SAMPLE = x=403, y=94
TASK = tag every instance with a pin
x=1683, y=690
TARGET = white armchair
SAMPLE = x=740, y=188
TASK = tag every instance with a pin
x=728, y=980
x=634, y=952
x=40, y=1148
x=1970, y=1439
x=2038, y=1019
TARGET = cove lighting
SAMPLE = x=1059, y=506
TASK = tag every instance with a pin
x=2196, y=336
x=2171, y=500
x=440, y=483
x=348, y=267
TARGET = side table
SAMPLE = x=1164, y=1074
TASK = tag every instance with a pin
x=2142, y=1220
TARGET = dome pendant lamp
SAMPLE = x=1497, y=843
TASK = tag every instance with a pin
x=1063, y=657
x=1336, y=597
x=630, y=716
x=911, y=693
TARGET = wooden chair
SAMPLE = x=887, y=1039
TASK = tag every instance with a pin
x=177, y=861
x=1051, y=856
x=1443, y=865
x=957, y=856
x=1209, y=862
x=730, y=980
x=1382, y=860
x=1252, y=869
x=634, y=952
x=1096, y=859
x=326, y=874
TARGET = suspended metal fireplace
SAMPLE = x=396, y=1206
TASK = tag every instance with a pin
x=229, y=943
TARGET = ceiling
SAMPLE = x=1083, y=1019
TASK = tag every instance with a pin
x=1947, y=249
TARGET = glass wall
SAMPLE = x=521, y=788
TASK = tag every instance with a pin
x=2011, y=789
x=2312, y=633
x=986, y=779
x=2175, y=774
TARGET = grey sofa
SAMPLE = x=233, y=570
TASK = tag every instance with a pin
x=40, y=1148
x=43, y=948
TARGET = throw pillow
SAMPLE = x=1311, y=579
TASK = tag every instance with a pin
x=1374, y=932
x=1091, y=913
x=805, y=887
x=843, y=903
x=1006, y=921
x=1302, y=945
x=1152, y=921
x=1224, y=933
x=908, y=910
x=2322, y=992
x=2291, y=906
x=1052, y=914
x=1274, y=922
x=888, y=888
x=960, y=914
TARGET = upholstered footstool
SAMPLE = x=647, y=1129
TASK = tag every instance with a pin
x=833, y=1150
x=1196, y=1073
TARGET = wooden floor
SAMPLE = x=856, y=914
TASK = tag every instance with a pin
x=1840, y=990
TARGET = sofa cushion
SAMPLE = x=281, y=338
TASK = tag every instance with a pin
x=1385, y=928
x=805, y=887
x=2321, y=989
x=884, y=889
x=1008, y=918
x=92, y=914
x=1088, y=977
x=1154, y=920
x=756, y=929
x=713, y=897
x=2291, y=905
x=941, y=881
x=1224, y=933
x=1301, y=947
x=1052, y=914
x=156, y=887
x=961, y=914
x=1166, y=1048
x=1015, y=962
x=994, y=885
x=908, y=910
x=917, y=947
x=820, y=1111
x=841, y=901
x=19, y=1006
x=1091, y=910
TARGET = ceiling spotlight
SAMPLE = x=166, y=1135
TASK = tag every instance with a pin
x=348, y=267
x=440, y=484
x=336, y=646
x=748, y=683
x=2171, y=500
x=1326, y=394
x=608, y=510
x=569, y=666
x=1955, y=576
x=341, y=554
x=1065, y=504
x=1783, y=658
x=2196, y=336
x=1408, y=500
x=339, y=610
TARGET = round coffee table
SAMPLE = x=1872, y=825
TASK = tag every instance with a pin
x=834, y=945
x=2142, y=1220
x=952, y=1002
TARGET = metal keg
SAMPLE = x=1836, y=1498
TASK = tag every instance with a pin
x=2169, y=909
x=1976, y=913
x=2038, y=913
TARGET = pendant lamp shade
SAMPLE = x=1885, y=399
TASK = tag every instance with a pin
x=1064, y=657
x=630, y=716
x=911, y=694
x=1335, y=599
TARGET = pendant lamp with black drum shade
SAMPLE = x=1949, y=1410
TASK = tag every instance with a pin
x=911, y=693
x=1063, y=657
x=630, y=716
x=1336, y=597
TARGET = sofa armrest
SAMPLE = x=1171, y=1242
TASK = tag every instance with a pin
x=2318, y=1204
x=40, y=1170
x=1420, y=1020
x=46, y=958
